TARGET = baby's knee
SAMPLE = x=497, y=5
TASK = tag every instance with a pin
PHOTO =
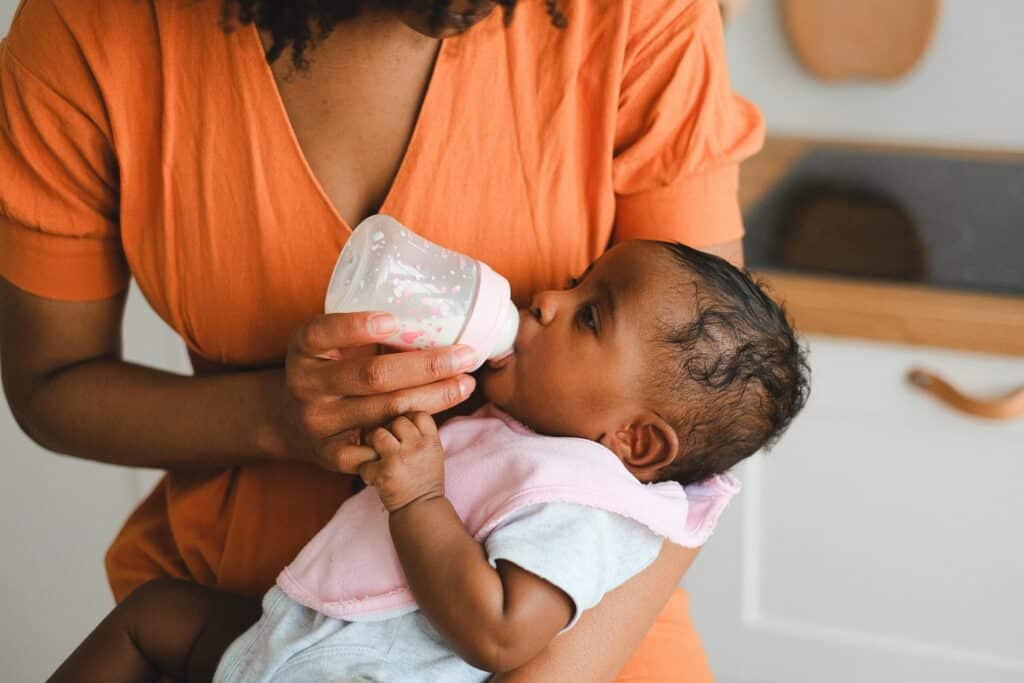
x=155, y=591
x=159, y=600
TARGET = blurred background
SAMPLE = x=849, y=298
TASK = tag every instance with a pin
x=875, y=543
x=962, y=91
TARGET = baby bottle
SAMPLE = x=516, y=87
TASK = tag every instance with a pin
x=439, y=296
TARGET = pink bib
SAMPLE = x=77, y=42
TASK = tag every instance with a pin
x=494, y=466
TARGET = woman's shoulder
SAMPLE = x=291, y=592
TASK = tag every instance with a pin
x=113, y=60
x=654, y=25
x=57, y=39
x=606, y=33
x=42, y=26
x=634, y=18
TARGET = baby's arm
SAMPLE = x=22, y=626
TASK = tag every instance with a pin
x=496, y=620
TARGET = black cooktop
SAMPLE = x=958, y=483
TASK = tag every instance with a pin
x=940, y=221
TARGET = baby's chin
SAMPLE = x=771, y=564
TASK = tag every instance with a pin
x=499, y=387
x=495, y=386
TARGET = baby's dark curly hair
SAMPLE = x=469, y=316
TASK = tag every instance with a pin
x=738, y=374
x=304, y=23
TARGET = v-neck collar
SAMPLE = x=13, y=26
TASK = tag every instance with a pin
x=438, y=81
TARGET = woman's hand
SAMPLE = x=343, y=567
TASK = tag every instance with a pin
x=336, y=383
x=409, y=464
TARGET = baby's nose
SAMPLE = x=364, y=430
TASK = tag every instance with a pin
x=543, y=306
x=535, y=311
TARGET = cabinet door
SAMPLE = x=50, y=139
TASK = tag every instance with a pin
x=881, y=539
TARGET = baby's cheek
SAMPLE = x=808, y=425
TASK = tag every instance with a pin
x=496, y=386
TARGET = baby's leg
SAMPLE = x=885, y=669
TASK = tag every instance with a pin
x=165, y=627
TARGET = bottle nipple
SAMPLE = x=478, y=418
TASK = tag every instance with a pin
x=508, y=328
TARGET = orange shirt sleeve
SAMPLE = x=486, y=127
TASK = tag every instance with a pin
x=681, y=131
x=59, y=234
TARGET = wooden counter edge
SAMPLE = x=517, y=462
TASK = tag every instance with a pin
x=903, y=313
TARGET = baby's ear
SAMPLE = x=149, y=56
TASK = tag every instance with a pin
x=645, y=445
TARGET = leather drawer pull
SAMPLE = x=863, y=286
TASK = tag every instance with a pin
x=1002, y=408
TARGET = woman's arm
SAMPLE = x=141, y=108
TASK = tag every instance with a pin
x=606, y=636
x=69, y=390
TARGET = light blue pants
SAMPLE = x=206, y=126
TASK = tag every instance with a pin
x=293, y=643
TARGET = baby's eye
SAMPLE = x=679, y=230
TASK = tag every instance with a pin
x=587, y=317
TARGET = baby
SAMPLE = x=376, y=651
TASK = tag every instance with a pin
x=477, y=544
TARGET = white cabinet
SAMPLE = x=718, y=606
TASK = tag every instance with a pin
x=881, y=539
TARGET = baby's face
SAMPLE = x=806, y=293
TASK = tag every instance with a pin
x=580, y=353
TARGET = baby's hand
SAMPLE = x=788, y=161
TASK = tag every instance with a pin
x=411, y=463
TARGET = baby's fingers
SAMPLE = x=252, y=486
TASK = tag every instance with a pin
x=369, y=472
x=349, y=458
x=403, y=428
x=424, y=422
x=383, y=441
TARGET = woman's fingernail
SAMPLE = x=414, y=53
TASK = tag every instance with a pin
x=465, y=357
x=382, y=323
x=466, y=385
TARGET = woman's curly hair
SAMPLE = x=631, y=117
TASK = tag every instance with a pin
x=303, y=23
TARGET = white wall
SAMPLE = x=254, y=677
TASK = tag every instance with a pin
x=968, y=89
x=6, y=13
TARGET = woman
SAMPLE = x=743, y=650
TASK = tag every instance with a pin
x=224, y=169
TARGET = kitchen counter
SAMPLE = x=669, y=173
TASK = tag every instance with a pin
x=908, y=244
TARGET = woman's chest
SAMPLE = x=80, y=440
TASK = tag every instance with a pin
x=233, y=237
x=353, y=113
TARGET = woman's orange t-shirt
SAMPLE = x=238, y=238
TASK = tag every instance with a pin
x=137, y=138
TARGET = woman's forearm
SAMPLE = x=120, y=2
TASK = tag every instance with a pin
x=127, y=414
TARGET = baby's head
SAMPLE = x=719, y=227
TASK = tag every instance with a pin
x=672, y=358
